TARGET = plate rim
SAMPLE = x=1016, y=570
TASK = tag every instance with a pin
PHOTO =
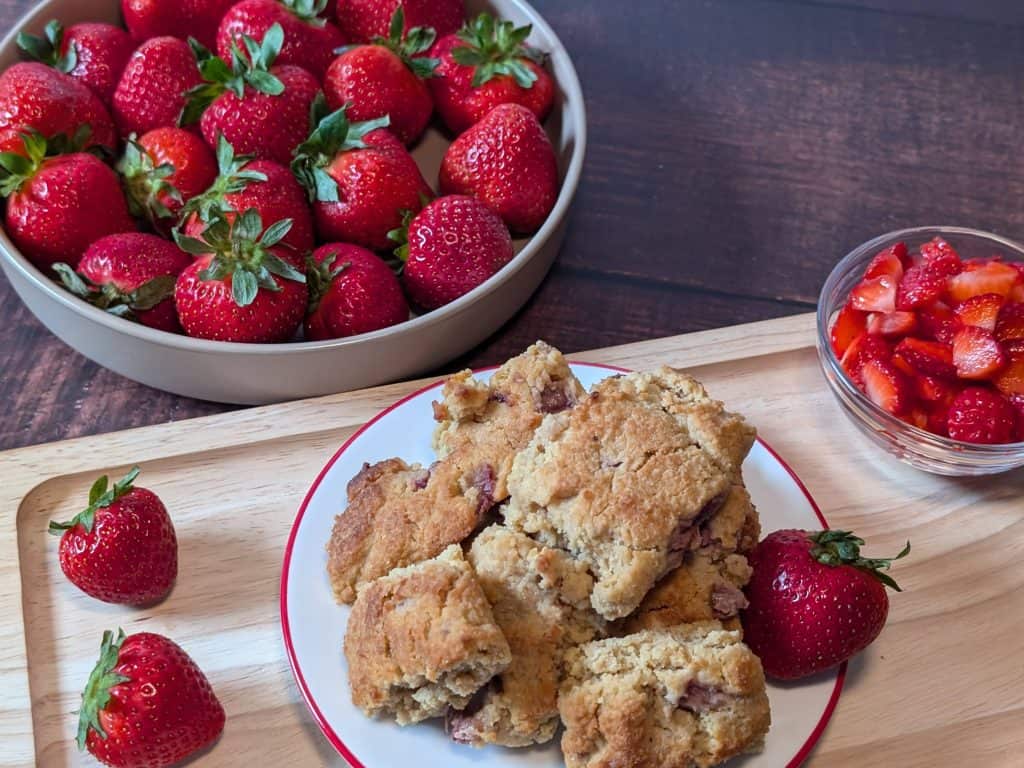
x=333, y=738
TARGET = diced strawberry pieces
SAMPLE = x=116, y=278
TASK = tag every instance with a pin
x=978, y=279
x=891, y=262
x=920, y=287
x=887, y=388
x=892, y=324
x=932, y=389
x=917, y=417
x=977, y=354
x=850, y=323
x=1010, y=380
x=981, y=311
x=876, y=294
x=938, y=322
x=940, y=257
x=864, y=348
x=1010, y=323
x=1017, y=401
x=929, y=358
x=982, y=416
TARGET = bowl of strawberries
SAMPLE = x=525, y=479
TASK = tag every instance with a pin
x=251, y=201
x=921, y=338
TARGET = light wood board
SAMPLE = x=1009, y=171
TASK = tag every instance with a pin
x=943, y=686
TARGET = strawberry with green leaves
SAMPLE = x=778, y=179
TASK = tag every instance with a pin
x=153, y=88
x=182, y=19
x=363, y=20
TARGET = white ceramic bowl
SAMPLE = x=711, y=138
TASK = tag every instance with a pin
x=263, y=373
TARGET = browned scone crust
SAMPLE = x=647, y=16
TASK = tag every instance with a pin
x=689, y=697
x=422, y=639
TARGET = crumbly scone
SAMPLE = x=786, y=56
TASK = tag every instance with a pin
x=422, y=639
x=624, y=480
x=692, y=696
x=541, y=601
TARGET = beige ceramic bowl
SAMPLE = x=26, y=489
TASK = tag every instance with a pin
x=263, y=373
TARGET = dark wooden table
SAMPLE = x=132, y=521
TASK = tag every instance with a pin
x=737, y=149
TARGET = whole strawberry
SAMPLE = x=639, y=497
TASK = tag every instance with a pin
x=449, y=248
x=243, y=286
x=131, y=275
x=121, y=548
x=152, y=91
x=309, y=39
x=363, y=20
x=183, y=19
x=360, y=179
x=485, y=64
x=146, y=704
x=506, y=161
x=814, y=601
x=59, y=206
x=352, y=291
x=385, y=79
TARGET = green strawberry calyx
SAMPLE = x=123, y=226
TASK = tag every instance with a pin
x=309, y=11
x=409, y=46
x=241, y=248
x=400, y=237
x=232, y=178
x=99, y=496
x=112, y=299
x=146, y=184
x=96, y=695
x=16, y=169
x=320, y=276
x=496, y=48
x=837, y=548
x=47, y=49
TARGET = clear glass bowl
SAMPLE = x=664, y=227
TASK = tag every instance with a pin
x=914, y=446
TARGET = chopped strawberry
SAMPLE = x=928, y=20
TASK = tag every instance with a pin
x=891, y=262
x=977, y=354
x=903, y=366
x=865, y=347
x=1010, y=324
x=932, y=389
x=981, y=311
x=982, y=416
x=938, y=322
x=930, y=358
x=1017, y=401
x=981, y=278
x=850, y=323
x=939, y=256
x=887, y=388
x=877, y=294
x=919, y=287
x=1010, y=381
x=917, y=417
x=892, y=324
x=1016, y=293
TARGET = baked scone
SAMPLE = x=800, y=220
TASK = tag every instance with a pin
x=690, y=696
x=422, y=639
x=624, y=480
x=541, y=601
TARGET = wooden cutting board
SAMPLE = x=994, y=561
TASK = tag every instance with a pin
x=943, y=686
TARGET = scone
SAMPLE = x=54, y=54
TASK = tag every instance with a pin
x=541, y=602
x=688, y=697
x=624, y=480
x=422, y=639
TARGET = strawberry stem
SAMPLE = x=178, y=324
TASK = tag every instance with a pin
x=99, y=496
x=97, y=690
x=46, y=49
x=836, y=548
x=408, y=46
x=146, y=183
x=496, y=48
x=232, y=179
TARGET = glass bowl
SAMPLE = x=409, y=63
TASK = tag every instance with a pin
x=916, y=447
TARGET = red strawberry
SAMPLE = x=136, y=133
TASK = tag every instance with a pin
x=1010, y=324
x=892, y=262
x=309, y=40
x=980, y=278
x=58, y=206
x=360, y=179
x=183, y=19
x=485, y=64
x=242, y=287
x=939, y=256
x=507, y=161
x=850, y=323
x=814, y=601
x=93, y=53
x=363, y=20
x=449, y=248
x=981, y=311
x=982, y=416
x=1011, y=380
x=892, y=324
x=352, y=291
x=131, y=275
x=938, y=322
x=386, y=80
x=919, y=287
x=121, y=548
x=152, y=90
x=930, y=358
x=887, y=387
x=147, y=704
x=876, y=294
x=977, y=354
x=865, y=347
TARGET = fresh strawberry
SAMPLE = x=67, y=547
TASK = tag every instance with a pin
x=485, y=64
x=814, y=601
x=977, y=354
x=981, y=311
x=242, y=286
x=93, y=53
x=385, y=79
x=850, y=323
x=887, y=387
x=146, y=704
x=363, y=20
x=183, y=19
x=930, y=358
x=1010, y=380
x=152, y=91
x=131, y=275
x=980, y=278
x=875, y=294
x=1010, y=324
x=352, y=291
x=982, y=416
x=58, y=206
x=920, y=287
x=309, y=40
x=449, y=248
x=862, y=349
x=892, y=324
x=891, y=262
x=121, y=548
x=938, y=322
x=939, y=256
x=360, y=178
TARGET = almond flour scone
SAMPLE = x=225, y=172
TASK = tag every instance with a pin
x=689, y=697
x=422, y=639
x=541, y=601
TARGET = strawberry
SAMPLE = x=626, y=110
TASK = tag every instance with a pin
x=874, y=294
x=363, y=20
x=980, y=311
x=938, y=322
x=892, y=324
x=919, y=287
x=352, y=291
x=507, y=161
x=360, y=179
x=936, y=396
x=850, y=323
x=183, y=19
x=309, y=40
x=121, y=548
x=980, y=278
x=814, y=601
x=1010, y=324
x=929, y=358
x=485, y=64
x=242, y=287
x=92, y=53
x=449, y=248
x=146, y=704
x=385, y=79
x=131, y=275
x=261, y=109
x=887, y=387
x=939, y=256
x=982, y=416
x=977, y=354
x=1010, y=381
x=152, y=90
x=862, y=349
x=58, y=206
x=891, y=262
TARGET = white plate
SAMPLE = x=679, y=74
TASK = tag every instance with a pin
x=314, y=625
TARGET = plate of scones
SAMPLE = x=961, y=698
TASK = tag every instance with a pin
x=543, y=565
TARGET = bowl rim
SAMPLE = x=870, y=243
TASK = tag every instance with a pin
x=827, y=355
x=574, y=106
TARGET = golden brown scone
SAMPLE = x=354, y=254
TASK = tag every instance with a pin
x=422, y=639
x=689, y=697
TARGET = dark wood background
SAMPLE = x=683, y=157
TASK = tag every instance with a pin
x=738, y=148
